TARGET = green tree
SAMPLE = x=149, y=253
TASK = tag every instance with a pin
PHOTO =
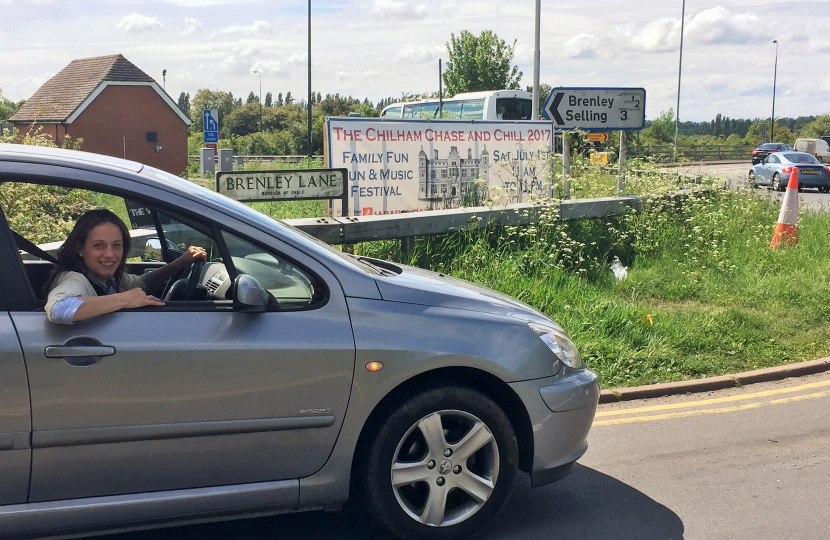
x=661, y=130
x=268, y=100
x=8, y=107
x=184, y=103
x=252, y=98
x=41, y=213
x=209, y=99
x=480, y=63
x=815, y=129
x=288, y=99
x=544, y=92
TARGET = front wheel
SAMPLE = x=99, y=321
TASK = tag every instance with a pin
x=776, y=183
x=751, y=178
x=442, y=465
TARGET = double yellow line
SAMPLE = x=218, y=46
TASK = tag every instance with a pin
x=702, y=406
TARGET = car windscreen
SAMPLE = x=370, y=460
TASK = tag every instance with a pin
x=801, y=158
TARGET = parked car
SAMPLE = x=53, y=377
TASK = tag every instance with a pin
x=818, y=148
x=289, y=376
x=776, y=169
x=766, y=149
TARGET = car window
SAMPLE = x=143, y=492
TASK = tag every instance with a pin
x=772, y=159
x=292, y=286
x=801, y=158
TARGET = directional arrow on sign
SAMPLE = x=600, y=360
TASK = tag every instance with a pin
x=596, y=109
x=552, y=109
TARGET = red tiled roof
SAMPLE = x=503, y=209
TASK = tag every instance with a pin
x=61, y=95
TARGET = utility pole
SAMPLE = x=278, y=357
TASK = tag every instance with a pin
x=679, y=69
x=309, y=78
x=260, y=99
x=536, y=60
x=774, y=79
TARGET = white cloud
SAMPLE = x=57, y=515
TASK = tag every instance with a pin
x=271, y=68
x=135, y=22
x=660, y=35
x=580, y=46
x=391, y=9
x=256, y=27
x=192, y=27
x=34, y=80
x=718, y=26
x=420, y=54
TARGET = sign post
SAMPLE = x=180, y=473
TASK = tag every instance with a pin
x=210, y=126
x=284, y=185
x=596, y=109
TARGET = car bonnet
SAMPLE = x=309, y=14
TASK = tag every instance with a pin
x=418, y=286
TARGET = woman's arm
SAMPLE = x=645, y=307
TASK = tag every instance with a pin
x=98, y=305
x=156, y=278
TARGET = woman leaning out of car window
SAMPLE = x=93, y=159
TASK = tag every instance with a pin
x=91, y=279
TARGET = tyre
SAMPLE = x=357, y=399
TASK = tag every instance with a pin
x=776, y=183
x=441, y=466
x=751, y=179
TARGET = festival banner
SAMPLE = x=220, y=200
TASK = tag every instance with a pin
x=413, y=165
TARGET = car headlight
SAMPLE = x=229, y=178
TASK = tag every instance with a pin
x=560, y=343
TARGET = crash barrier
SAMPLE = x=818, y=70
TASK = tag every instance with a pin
x=666, y=152
x=262, y=159
x=353, y=230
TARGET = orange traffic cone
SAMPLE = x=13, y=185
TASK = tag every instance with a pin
x=786, y=230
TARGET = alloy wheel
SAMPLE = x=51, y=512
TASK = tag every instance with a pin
x=445, y=468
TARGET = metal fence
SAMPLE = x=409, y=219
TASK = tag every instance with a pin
x=665, y=152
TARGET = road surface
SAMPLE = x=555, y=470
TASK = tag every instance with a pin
x=744, y=463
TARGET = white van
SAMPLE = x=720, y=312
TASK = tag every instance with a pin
x=815, y=147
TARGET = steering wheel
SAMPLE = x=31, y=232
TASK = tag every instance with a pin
x=193, y=280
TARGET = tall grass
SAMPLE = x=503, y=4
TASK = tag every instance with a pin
x=704, y=295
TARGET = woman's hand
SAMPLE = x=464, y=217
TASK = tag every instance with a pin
x=99, y=305
x=136, y=298
x=191, y=254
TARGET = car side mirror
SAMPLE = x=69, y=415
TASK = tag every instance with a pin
x=249, y=296
x=152, y=250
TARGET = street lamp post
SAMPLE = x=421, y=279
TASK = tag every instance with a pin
x=260, y=99
x=679, y=69
x=774, y=79
x=535, y=113
x=309, y=78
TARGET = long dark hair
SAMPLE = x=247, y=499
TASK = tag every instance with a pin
x=69, y=253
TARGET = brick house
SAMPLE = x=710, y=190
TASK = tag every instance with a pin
x=115, y=107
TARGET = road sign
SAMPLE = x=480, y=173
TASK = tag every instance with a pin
x=598, y=136
x=596, y=109
x=282, y=185
x=210, y=125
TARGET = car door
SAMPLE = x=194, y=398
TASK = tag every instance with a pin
x=189, y=395
x=15, y=415
x=762, y=172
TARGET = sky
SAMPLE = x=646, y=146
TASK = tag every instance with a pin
x=383, y=48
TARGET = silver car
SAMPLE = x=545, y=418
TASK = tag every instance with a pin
x=284, y=375
x=775, y=171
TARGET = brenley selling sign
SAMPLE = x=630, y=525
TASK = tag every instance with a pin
x=248, y=186
x=599, y=109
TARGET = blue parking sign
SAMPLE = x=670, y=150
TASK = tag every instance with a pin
x=210, y=125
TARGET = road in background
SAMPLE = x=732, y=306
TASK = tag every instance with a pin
x=736, y=174
x=744, y=463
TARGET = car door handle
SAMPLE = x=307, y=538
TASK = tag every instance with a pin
x=70, y=351
x=80, y=351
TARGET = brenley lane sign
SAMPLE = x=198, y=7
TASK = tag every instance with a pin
x=596, y=109
x=251, y=186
